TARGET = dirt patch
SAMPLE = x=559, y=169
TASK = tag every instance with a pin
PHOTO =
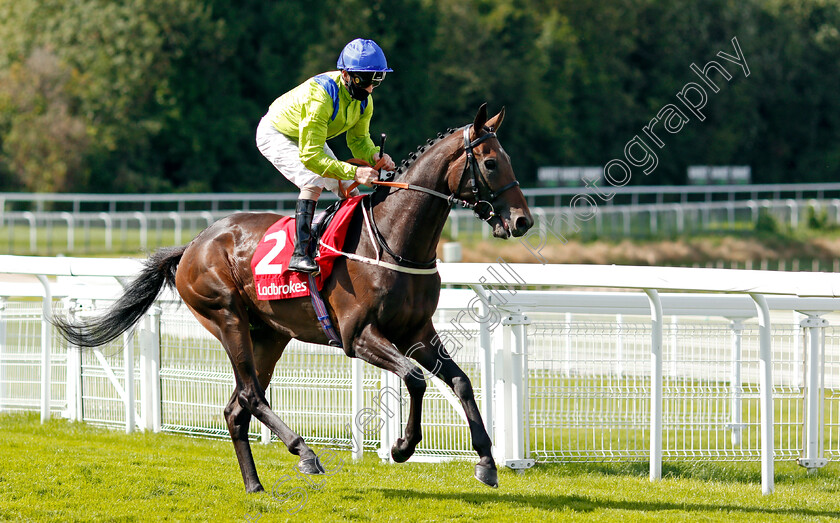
x=666, y=252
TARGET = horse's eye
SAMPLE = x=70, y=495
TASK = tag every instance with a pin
x=490, y=164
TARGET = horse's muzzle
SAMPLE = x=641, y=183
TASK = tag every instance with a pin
x=521, y=224
x=518, y=222
x=515, y=224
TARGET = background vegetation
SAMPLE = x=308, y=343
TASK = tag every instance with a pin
x=165, y=95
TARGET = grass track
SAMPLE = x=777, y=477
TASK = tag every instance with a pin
x=64, y=471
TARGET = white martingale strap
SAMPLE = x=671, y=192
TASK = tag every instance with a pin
x=380, y=263
x=376, y=261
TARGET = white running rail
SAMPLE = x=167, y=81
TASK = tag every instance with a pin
x=678, y=369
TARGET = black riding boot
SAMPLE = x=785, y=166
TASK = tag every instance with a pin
x=301, y=260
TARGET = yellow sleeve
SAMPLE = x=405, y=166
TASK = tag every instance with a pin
x=358, y=136
x=312, y=135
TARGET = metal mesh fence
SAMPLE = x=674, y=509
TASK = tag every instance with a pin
x=831, y=404
x=20, y=360
x=589, y=386
x=590, y=390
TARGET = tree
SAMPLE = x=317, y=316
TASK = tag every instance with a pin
x=44, y=142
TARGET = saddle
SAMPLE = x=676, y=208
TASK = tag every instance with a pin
x=320, y=224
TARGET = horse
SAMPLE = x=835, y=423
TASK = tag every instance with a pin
x=380, y=297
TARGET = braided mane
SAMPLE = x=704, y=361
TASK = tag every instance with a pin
x=412, y=157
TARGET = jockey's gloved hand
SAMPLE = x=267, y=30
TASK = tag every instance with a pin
x=366, y=175
x=389, y=164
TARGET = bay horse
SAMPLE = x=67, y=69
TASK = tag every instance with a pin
x=379, y=310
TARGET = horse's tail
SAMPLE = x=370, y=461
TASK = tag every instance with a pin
x=158, y=270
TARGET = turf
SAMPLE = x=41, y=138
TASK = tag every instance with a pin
x=63, y=471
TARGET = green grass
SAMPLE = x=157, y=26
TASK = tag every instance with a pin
x=64, y=471
x=90, y=242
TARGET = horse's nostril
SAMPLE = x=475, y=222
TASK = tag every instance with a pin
x=522, y=224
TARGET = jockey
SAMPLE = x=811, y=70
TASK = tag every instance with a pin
x=293, y=133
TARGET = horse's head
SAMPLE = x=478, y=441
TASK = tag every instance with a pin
x=486, y=178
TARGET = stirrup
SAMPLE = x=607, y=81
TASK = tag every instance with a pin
x=304, y=264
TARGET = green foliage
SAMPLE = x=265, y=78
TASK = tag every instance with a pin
x=767, y=224
x=44, y=142
x=817, y=219
x=162, y=95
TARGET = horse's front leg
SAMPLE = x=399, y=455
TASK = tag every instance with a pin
x=371, y=346
x=432, y=355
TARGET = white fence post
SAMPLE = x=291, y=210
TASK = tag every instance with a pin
x=46, y=348
x=176, y=218
x=265, y=432
x=619, y=346
x=765, y=369
x=485, y=343
x=71, y=230
x=655, y=384
x=150, y=402
x=109, y=230
x=144, y=228
x=675, y=368
x=357, y=403
x=735, y=388
x=812, y=457
x=511, y=377
x=33, y=231
x=3, y=384
x=74, y=371
x=390, y=411
x=567, y=356
x=128, y=370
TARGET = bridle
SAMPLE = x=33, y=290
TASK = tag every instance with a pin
x=481, y=206
x=476, y=181
x=476, y=178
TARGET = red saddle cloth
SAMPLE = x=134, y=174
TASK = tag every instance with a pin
x=270, y=262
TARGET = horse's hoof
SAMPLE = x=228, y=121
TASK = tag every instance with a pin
x=488, y=476
x=398, y=455
x=311, y=466
x=254, y=489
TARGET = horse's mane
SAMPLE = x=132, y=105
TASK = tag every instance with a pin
x=406, y=163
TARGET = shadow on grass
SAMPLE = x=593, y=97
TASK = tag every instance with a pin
x=747, y=473
x=587, y=504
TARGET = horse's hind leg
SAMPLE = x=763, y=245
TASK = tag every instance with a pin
x=230, y=325
x=268, y=347
x=237, y=340
x=238, y=419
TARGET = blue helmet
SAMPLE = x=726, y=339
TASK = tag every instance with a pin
x=362, y=55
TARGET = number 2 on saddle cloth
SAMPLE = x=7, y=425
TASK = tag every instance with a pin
x=269, y=265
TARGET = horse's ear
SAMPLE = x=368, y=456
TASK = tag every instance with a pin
x=496, y=121
x=480, y=118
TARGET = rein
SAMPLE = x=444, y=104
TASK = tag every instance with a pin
x=484, y=213
x=470, y=165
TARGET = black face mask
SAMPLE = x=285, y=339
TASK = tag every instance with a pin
x=356, y=92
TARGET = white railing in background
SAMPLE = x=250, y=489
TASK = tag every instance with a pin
x=659, y=219
x=681, y=370
x=552, y=197
x=63, y=232
x=65, y=223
